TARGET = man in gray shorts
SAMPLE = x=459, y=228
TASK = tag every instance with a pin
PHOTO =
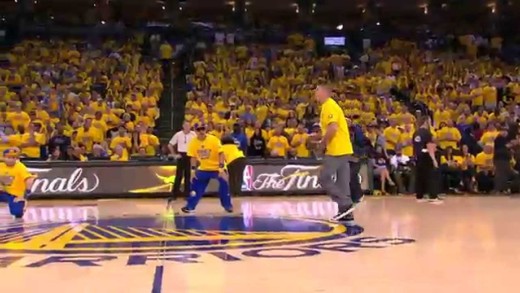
x=338, y=149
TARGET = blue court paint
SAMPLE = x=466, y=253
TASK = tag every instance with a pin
x=157, y=279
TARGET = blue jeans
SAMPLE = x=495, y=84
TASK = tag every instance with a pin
x=198, y=187
x=16, y=208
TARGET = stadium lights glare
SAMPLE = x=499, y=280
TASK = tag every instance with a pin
x=339, y=27
x=493, y=7
x=378, y=23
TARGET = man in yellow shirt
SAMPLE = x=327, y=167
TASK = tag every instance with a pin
x=338, y=149
x=391, y=135
x=278, y=144
x=299, y=142
x=207, y=162
x=15, y=181
x=448, y=136
x=485, y=167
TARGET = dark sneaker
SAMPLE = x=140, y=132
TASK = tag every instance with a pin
x=187, y=211
x=347, y=220
x=421, y=199
x=229, y=210
x=343, y=212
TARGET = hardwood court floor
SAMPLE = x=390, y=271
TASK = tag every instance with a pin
x=271, y=244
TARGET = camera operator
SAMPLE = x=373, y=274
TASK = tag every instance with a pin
x=401, y=169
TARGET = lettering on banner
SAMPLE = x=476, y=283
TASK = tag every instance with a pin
x=77, y=181
x=287, y=178
x=290, y=177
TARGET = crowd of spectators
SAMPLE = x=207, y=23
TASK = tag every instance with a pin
x=263, y=96
x=70, y=100
x=64, y=100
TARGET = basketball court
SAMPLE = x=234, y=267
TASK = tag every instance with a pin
x=271, y=244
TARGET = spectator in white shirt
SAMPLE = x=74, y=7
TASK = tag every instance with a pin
x=401, y=170
x=178, y=147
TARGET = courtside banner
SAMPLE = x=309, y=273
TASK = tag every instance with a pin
x=86, y=180
x=289, y=178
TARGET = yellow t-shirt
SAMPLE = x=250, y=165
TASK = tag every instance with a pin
x=149, y=142
x=124, y=141
x=465, y=161
x=166, y=51
x=340, y=144
x=206, y=152
x=231, y=152
x=301, y=150
x=18, y=119
x=483, y=159
x=278, y=145
x=406, y=137
x=17, y=174
x=448, y=137
x=392, y=136
x=32, y=151
x=88, y=137
x=122, y=158
x=457, y=159
x=488, y=137
x=13, y=140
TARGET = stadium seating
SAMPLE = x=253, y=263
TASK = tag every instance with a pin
x=80, y=101
x=269, y=92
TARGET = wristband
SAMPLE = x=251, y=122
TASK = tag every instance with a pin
x=193, y=168
x=221, y=166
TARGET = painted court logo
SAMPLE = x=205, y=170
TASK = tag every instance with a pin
x=184, y=239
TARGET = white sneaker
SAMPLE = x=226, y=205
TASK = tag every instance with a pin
x=421, y=200
x=436, y=201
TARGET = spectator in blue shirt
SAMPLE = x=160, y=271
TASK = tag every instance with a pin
x=240, y=137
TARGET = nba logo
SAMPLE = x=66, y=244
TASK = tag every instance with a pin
x=248, y=178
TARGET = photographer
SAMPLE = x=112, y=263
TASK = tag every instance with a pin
x=401, y=169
